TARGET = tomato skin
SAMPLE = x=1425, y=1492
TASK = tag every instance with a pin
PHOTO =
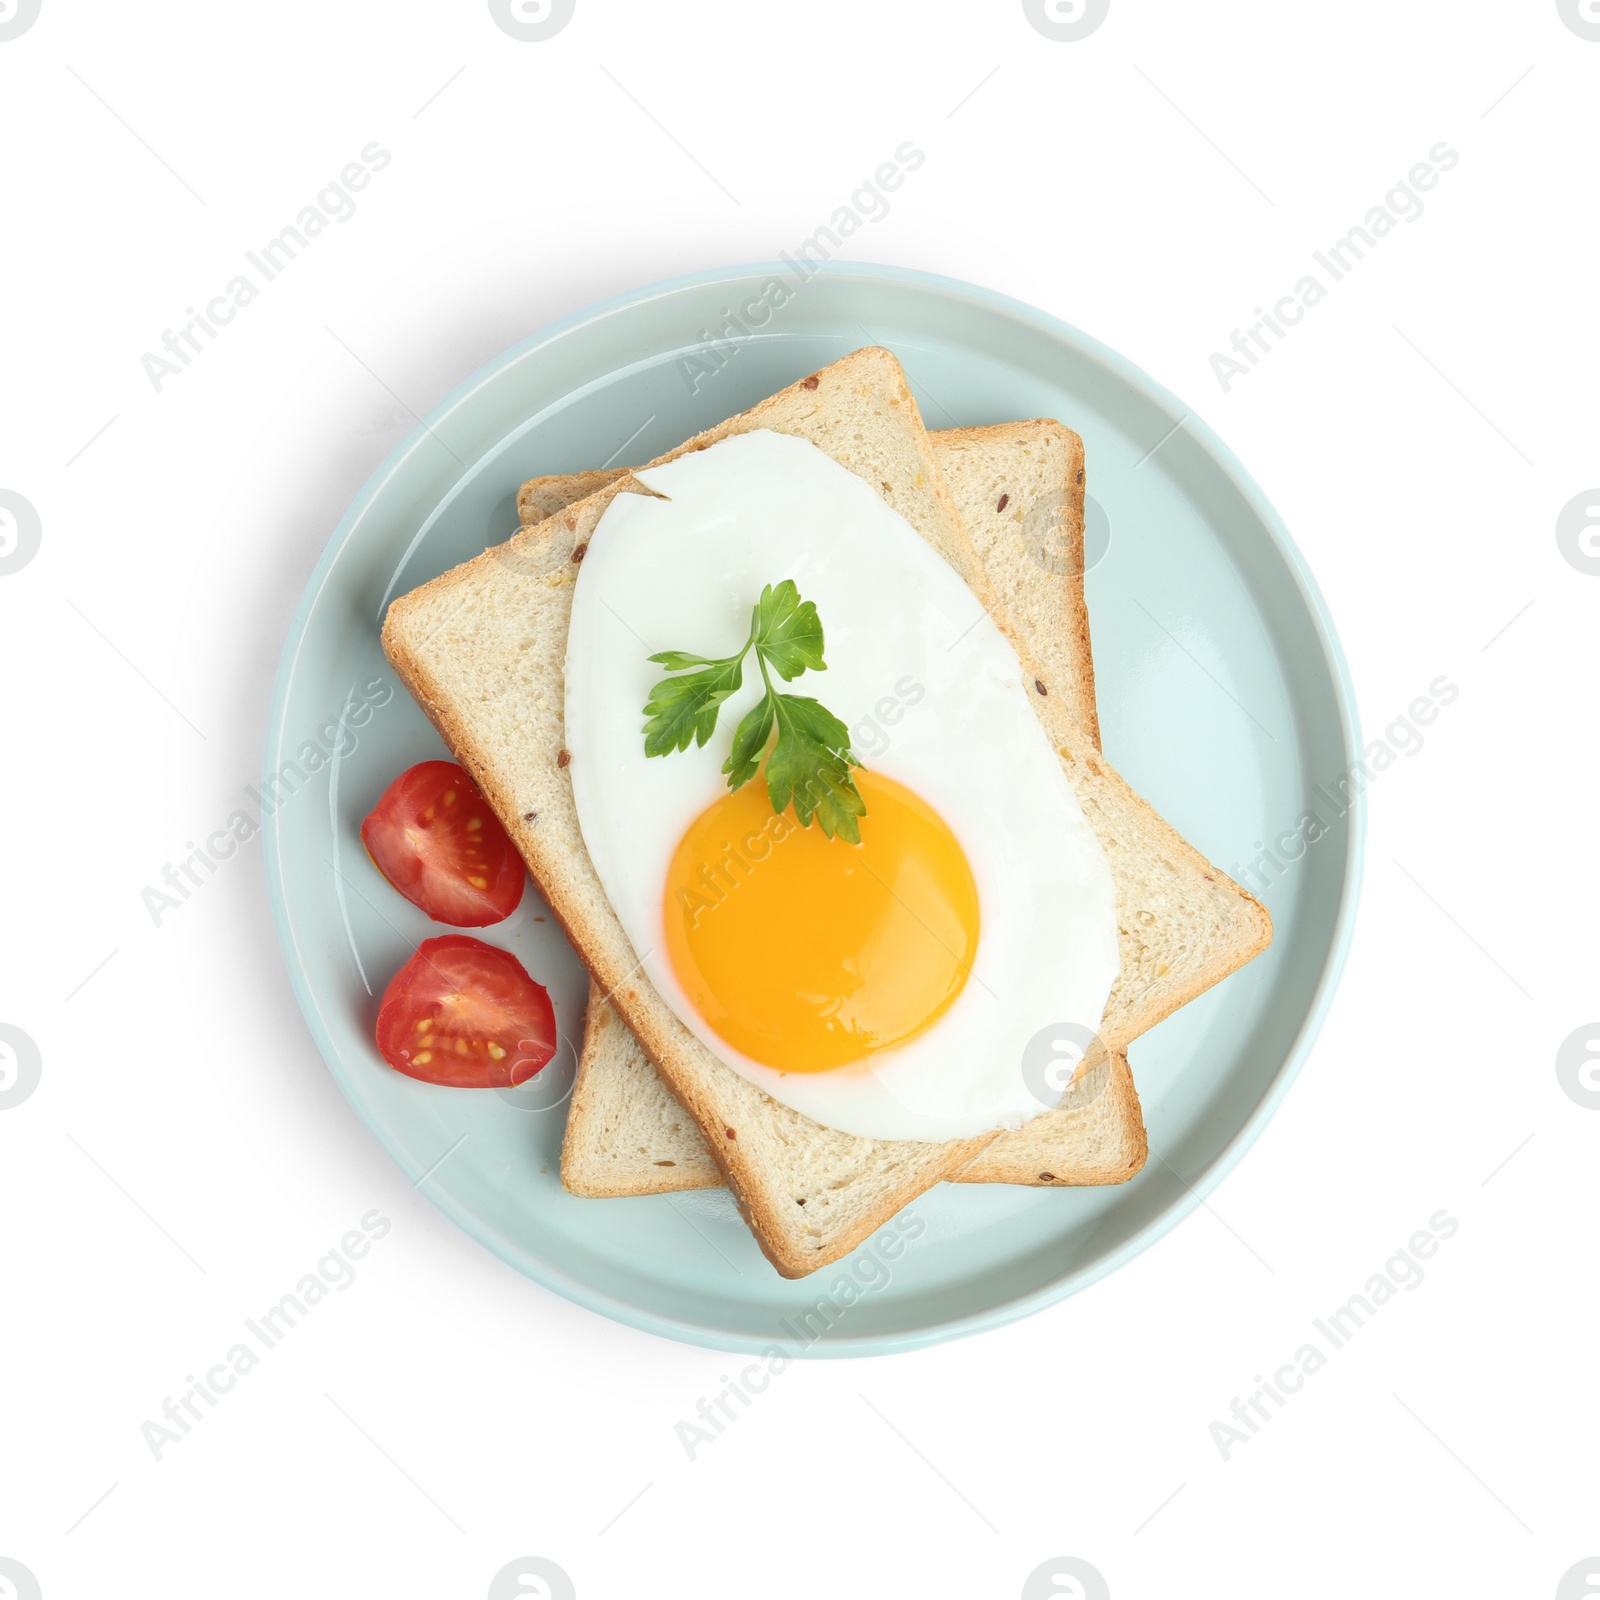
x=464, y=1013
x=434, y=837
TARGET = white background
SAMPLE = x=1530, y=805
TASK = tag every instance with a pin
x=186, y=1158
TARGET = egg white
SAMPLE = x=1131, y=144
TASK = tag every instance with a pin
x=682, y=572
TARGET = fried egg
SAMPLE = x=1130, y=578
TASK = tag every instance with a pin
x=890, y=988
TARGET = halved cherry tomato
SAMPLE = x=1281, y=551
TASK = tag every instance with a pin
x=462, y=1012
x=433, y=836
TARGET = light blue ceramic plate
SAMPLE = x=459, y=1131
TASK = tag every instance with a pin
x=1223, y=699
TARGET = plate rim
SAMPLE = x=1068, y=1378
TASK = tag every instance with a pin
x=1197, y=1188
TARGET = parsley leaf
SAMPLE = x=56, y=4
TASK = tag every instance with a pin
x=749, y=744
x=686, y=708
x=809, y=764
x=788, y=632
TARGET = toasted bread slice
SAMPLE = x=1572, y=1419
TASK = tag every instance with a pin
x=1018, y=488
x=482, y=649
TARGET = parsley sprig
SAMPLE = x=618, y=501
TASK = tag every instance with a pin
x=810, y=761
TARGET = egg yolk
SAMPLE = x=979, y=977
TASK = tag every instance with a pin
x=807, y=953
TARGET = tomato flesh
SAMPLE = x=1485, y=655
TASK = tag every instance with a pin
x=433, y=836
x=463, y=1013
